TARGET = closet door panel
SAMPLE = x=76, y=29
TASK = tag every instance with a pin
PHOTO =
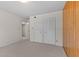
x=49, y=30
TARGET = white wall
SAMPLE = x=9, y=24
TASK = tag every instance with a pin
x=35, y=24
x=10, y=28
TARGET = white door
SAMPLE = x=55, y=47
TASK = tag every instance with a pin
x=35, y=29
x=49, y=30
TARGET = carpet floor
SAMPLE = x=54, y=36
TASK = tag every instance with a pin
x=26, y=48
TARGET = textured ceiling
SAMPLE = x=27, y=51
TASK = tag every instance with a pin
x=31, y=8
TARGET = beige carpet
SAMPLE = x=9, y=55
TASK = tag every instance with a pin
x=26, y=48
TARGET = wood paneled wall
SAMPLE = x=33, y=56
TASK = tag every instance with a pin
x=71, y=28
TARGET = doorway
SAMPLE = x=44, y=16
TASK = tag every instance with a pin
x=25, y=31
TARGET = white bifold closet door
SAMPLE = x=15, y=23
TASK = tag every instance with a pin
x=42, y=29
x=49, y=30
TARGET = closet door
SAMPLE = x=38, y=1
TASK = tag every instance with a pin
x=36, y=29
x=49, y=29
x=42, y=29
